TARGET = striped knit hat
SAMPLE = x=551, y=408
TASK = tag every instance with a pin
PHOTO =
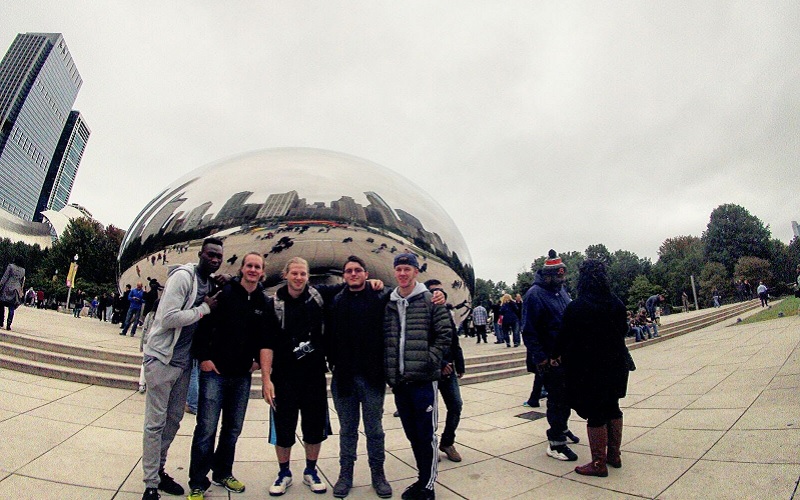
x=553, y=264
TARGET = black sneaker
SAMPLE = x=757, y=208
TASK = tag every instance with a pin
x=151, y=494
x=168, y=485
x=572, y=437
x=411, y=492
x=562, y=452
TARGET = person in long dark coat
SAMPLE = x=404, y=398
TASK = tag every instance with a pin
x=594, y=356
x=11, y=286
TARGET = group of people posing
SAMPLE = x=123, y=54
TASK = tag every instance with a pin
x=365, y=334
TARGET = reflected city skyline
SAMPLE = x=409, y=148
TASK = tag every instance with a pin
x=307, y=196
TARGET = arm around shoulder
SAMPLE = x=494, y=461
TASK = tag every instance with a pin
x=176, y=294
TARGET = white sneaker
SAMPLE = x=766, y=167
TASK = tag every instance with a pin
x=562, y=452
x=314, y=482
x=282, y=482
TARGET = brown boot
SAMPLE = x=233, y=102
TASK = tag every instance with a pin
x=614, y=458
x=598, y=440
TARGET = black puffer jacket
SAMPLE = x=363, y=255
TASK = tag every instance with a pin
x=428, y=335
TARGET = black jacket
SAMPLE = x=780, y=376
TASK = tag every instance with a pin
x=542, y=310
x=233, y=335
x=428, y=336
x=593, y=353
x=302, y=323
x=354, y=330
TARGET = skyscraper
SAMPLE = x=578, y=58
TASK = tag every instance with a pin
x=38, y=85
x=64, y=165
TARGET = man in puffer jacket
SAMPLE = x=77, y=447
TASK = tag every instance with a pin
x=417, y=334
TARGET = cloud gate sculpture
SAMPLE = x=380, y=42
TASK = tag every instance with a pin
x=316, y=204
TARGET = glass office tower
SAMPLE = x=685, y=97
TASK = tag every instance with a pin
x=38, y=86
x=64, y=166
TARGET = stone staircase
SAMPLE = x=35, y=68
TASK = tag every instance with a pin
x=93, y=365
x=512, y=364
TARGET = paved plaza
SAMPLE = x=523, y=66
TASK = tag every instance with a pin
x=710, y=414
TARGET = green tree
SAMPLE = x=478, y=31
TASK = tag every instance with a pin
x=678, y=259
x=483, y=291
x=97, y=248
x=599, y=252
x=794, y=251
x=523, y=283
x=754, y=270
x=30, y=256
x=714, y=275
x=640, y=290
x=732, y=233
x=623, y=268
x=781, y=263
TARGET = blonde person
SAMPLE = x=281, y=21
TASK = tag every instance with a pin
x=508, y=311
x=293, y=375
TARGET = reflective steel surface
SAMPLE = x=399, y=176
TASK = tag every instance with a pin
x=316, y=204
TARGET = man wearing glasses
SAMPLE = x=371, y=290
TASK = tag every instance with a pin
x=355, y=353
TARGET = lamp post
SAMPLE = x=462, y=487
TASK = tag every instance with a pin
x=73, y=269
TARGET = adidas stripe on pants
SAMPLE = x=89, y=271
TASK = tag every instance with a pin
x=418, y=405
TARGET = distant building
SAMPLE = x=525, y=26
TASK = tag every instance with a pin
x=41, y=142
x=64, y=166
x=194, y=216
x=233, y=208
x=795, y=229
x=277, y=205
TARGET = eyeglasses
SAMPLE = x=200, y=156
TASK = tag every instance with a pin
x=357, y=270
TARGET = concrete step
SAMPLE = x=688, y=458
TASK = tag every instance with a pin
x=15, y=338
x=68, y=361
x=68, y=373
x=684, y=327
x=95, y=365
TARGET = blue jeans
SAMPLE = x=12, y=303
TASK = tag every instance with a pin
x=347, y=399
x=227, y=395
x=194, y=383
x=131, y=317
x=451, y=394
x=11, y=310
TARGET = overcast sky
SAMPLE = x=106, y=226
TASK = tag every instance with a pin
x=534, y=126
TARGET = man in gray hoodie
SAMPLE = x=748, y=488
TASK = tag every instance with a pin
x=417, y=333
x=167, y=362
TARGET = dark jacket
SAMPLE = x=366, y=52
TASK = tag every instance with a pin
x=428, y=335
x=454, y=354
x=354, y=332
x=509, y=313
x=593, y=352
x=542, y=310
x=234, y=334
x=11, y=284
x=302, y=323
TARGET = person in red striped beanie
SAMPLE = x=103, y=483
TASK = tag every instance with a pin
x=542, y=311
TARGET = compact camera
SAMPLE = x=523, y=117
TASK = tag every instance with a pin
x=304, y=348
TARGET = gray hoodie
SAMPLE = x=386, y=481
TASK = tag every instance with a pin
x=175, y=311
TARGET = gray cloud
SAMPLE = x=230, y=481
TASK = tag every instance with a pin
x=534, y=126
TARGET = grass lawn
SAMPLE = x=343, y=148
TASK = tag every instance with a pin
x=788, y=306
